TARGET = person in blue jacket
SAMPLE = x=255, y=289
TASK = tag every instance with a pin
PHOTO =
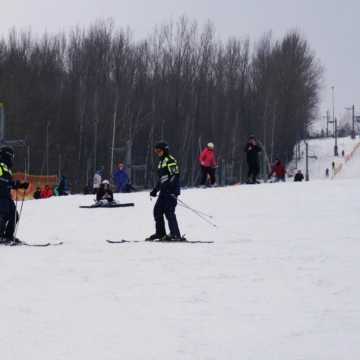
x=121, y=179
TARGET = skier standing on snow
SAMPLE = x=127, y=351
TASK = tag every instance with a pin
x=97, y=181
x=252, y=150
x=121, y=179
x=8, y=213
x=168, y=187
x=208, y=164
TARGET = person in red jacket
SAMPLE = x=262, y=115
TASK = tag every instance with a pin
x=278, y=169
x=46, y=192
x=208, y=164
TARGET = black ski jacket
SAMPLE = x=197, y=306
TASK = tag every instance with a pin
x=104, y=194
x=252, y=153
x=6, y=182
x=169, y=176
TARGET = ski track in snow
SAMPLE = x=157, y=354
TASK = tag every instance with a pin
x=280, y=281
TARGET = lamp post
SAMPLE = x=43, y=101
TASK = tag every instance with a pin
x=334, y=121
x=352, y=108
x=327, y=117
x=336, y=153
x=333, y=107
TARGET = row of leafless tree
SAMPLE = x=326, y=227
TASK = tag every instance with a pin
x=75, y=98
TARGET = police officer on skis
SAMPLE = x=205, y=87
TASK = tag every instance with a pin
x=8, y=213
x=168, y=188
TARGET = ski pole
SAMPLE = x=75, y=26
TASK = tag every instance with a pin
x=201, y=216
x=198, y=211
x=21, y=209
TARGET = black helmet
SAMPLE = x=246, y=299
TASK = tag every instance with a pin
x=162, y=145
x=7, y=155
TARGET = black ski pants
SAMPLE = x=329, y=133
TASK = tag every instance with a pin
x=165, y=206
x=206, y=172
x=253, y=171
x=8, y=218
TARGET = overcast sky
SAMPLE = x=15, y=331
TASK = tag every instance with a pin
x=331, y=26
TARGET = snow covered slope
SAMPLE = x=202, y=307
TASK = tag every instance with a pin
x=350, y=169
x=280, y=282
x=321, y=155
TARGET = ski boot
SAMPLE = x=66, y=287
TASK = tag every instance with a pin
x=11, y=241
x=170, y=238
x=153, y=237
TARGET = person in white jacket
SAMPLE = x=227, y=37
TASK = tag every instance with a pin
x=97, y=181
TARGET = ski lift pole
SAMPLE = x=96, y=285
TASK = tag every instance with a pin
x=307, y=177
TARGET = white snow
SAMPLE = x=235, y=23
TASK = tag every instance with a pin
x=280, y=282
x=351, y=168
x=321, y=156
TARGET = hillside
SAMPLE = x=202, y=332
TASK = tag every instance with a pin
x=280, y=281
x=321, y=156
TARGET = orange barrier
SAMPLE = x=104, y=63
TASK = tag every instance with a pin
x=34, y=182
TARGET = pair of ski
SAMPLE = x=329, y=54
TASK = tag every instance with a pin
x=24, y=243
x=123, y=241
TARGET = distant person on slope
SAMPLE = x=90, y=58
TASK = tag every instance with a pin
x=37, y=193
x=121, y=179
x=298, y=176
x=168, y=188
x=46, y=192
x=208, y=164
x=104, y=193
x=252, y=150
x=8, y=213
x=278, y=169
x=63, y=188
x=97, y=181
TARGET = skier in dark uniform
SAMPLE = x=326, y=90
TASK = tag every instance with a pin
x=168, y=187
x=252, y=150
x=8, y=213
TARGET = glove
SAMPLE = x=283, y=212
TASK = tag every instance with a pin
x=153, y=193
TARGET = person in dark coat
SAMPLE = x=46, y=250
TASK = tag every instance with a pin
x=252, y=150
x=37, y=194
x=168, y=188
x=298, y=176
x=104, y=193
x=8, y=213
x=63, y=188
